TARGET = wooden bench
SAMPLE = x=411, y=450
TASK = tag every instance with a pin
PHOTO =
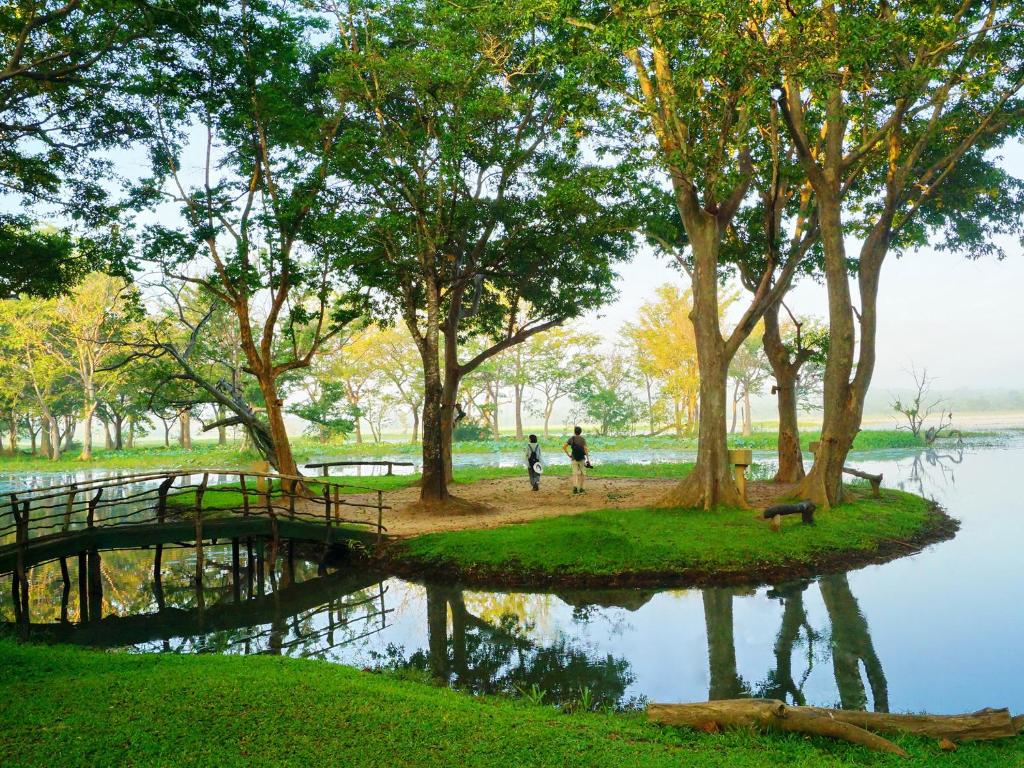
x=875, y=480
x=326, y=465
x=803, y=508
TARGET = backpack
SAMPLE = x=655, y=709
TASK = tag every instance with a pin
x=533, y=459
x=576, y=447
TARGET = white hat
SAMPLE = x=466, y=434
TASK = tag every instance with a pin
x=538, y=468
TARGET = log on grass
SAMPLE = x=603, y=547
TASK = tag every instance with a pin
x=767, y=715
x=976, y=726
x=770, y=713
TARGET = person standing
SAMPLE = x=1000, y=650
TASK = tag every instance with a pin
x=576, y=449
x=534, y=462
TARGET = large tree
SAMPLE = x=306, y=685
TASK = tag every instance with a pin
x=895, y=108
x=67, y=91
x=245, y=100
x=685, y=70
x=475, y=194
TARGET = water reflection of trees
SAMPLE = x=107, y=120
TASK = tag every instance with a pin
x=849, y=643
x=932, y=468
x=498, y=656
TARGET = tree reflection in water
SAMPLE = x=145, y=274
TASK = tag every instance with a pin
x=499, y=657
x=482, y=642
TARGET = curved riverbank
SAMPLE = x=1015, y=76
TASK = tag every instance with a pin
x=647, y=547
x=63, y=706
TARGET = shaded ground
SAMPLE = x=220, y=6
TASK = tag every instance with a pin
x=503, y=501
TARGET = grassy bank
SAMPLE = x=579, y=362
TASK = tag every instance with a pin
x=657, y=546
x=209, y=454
x=64, y=707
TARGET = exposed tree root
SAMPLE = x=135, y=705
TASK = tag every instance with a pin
x=701, y=489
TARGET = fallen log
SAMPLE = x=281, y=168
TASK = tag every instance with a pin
x=849, y=725
x=976, y=726
x=766, y=714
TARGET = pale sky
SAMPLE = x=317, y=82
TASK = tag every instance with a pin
x=962, y=320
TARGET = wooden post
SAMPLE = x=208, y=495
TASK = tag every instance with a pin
x=391, y=468
x=326, y=470
x=337, y=503
x=161, y=499
x=327, y=511
x=245, y=494
x=66, y=579
x=90, y=520
x=250, y=565
x=259, y=568
x=741, y=459
x=95, y=586
x=21, y=522
x=16, y=596
x=200, y=564
x=83, y=590
x=68, y=508
x=380, y=516
x=236, y=587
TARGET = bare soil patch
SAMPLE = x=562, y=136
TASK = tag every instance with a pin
x=509, y=500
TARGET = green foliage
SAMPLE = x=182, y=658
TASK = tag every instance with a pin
x=469, y=431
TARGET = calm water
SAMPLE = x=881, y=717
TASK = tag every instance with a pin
x=940, y=630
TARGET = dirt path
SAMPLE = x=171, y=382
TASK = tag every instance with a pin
x=504, y=501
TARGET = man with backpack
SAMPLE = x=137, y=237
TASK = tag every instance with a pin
x=576, y=449
x=534, y=462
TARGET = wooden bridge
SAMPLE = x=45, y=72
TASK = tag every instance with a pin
x=155, y=509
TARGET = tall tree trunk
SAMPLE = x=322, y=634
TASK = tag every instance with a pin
x=185, y=429
x=650, y=406
x=32, y=434
x=119, y=433
x=434, y=482
x=12, y=436
x=69, y=432
x=108, y=440
x=748, y=422
x=167, y=434
x=786, y=371
x=53, y=430
x=129, y=440
x=86, y=454
x=222, y=430
x=285, y=461
x=711, y=482
x=844, y=390
x=735, y=403
x=548, y=409
x=415, y=423
x=44, y=437
x=519, y=410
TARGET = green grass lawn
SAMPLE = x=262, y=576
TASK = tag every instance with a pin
x=63, y=706
x=726, y=543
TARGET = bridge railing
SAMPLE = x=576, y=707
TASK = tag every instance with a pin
x=155, y=498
